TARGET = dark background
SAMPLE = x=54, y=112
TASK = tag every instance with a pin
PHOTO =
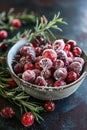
x=70, y=113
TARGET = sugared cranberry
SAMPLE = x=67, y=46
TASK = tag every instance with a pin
x=67, y=47
x=35, y=44
x=71, y=77
x=38, y=58
x=28, y=66
x=58, y=45
x=12, y=83
x=69, y=54
x=60, y=74
x=29, y=75
x=58, y=64
x=45, y=63
x=23, y=60
x=59, y=83
x=40, y=81
x=75, y=66
x=3, y=46
x=47, y=46
x=37, y=66
x=3, y=34
x=50, y=53
x=72, y=43
x=16, y=23
x=46, y=74
x=50, y=82
x=77, y=51
x=49, y=106
x=37, y=72
x=38, y=51
x=27, y=119
x=7, y=112
x=79, y=59
x=18, y=68
x=70, y=60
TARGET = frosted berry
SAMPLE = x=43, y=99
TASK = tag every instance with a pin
x=16, y=23
x=77, y=51
x=47, y=46
x=58, y=45
x=27, y=119
x=18, y=68
x=69, y=54
x=58, y=64
x=71, y=77
x=28, y=66
x=40, y=81
x=38, y=51
x=3, y=46
x=3, y=34
x=46, y=74
x=37, y=66
x=50, y=53
x=59, y=83
x=79, y=59
x=37, y=72
x=7, y=112
x=28, y=75
x=45, y=63
x=60, y=74
x=67, y=47
x=50, y=82
x=70, y=60
x=49, y=106
x=72, y=43
x=75, y=66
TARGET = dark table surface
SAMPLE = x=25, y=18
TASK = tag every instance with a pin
x=70, y=113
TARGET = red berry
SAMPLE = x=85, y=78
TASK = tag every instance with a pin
x=79, y=59
x=45, y=63
x=58, y=64
x=58, y=45
x=77, y=51
x=50, y=53
x=29, y=75
x=50, y=82
x=7, y=112
x=12, y=83
x=16, y=23
x=3, y=46
x=37, y=72
x=35, y=44
x=40, y=39
x=3, y=34
x=27, y=119
x=38, y=50
x=69, y=54
x=46, y=74
x=67, y=47
x=75, y=66
x=60, y=74
x=49, y=106
x=71, y=77
x=40, y=81
x=47, y=46
x=43, y=20
x=72, y=43
x=37, y=66
x=59, y=83
x=28, y=66
x=18, y=68
x=70, y=60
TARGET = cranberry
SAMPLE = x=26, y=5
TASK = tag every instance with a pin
x=70, y=60
x=12, y=83
x=23, y=60
x=75, y=66
x=59, y=83
x=3, y=46
x=67, y=47
x=28, y=66
x=40, y=39
x=3, y=34
x=29, y=75
x=47, y=46
x=16, y=23
x=79, y=59
x=40, y=81
x=27, y=119
x=38, y=58
x=18, y=68
x=46, y=74
x=72, y=43
x=37, y=72
x=7, y=112
x=58, y=45
x=50, y=53
x=77, y=51
x=60, y=74
x=45, y=63
x=17, y=57
x=35, y=44
x=58, y=64
x=71, y=77
x=69, y=54
x=49, y=106
x=37, y=66
x=50, y=82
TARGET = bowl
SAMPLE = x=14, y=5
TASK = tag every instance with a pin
x=44, y=93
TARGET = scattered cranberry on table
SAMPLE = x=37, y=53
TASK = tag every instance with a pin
x=16, y=23
x=49, y=63
x=3, y=46
x=7, y=112
x=3, y=34
x=49, y=106
x=27, y=119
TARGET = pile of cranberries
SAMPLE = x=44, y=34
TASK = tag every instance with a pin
x=49, y=63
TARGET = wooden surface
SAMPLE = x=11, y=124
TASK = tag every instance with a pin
x=70, y=113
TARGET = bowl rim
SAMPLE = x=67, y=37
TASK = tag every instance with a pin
x=83, y=75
